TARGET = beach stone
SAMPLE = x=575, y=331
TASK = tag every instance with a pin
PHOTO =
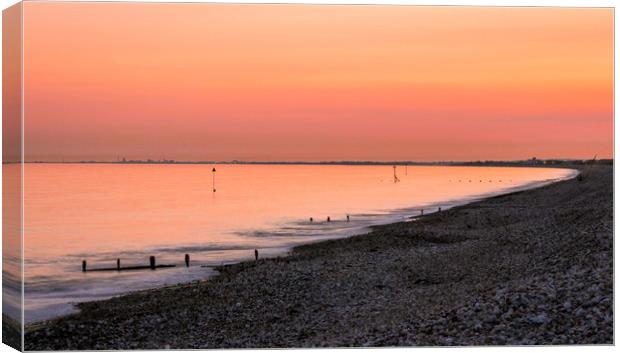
x=539, y=319
x=491, y=318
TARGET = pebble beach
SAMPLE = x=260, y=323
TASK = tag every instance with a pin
x=529, y=268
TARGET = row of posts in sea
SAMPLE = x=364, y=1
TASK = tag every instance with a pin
x=329, y=219
x=153, y=265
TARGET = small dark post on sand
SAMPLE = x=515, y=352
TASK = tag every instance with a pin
x=439, y=209
x=186, y=260
x=348, y=218
x=118, y=264
x=329, y=219
x=256, y=254
x=83, y=265
x=311, y=219
x=152, y=262
x=422, y=211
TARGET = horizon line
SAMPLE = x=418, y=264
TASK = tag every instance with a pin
x=533, y=160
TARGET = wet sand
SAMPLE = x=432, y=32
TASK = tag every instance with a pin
x=532, y=267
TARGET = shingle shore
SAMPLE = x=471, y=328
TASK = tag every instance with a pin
x=533, y=267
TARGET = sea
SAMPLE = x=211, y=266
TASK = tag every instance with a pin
x=101, y=213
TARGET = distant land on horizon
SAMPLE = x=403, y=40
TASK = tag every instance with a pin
x=531, y=161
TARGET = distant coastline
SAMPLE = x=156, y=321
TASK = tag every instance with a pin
x=489, y=163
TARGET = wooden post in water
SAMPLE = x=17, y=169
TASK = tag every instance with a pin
x=329, y=219
x=83, y=265
x=152, y=262
x=396, y=180
x=118, y=264
x=256, y=254
x=213, y=179
x=422, y=212
x=186, y=260
x=311, y=219
x=439, y=209
x=348, y=218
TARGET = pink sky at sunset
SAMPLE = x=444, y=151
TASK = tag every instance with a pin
x=313, y=83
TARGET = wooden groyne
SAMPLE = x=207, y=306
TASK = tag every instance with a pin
x=128, y=268
x=151, y=266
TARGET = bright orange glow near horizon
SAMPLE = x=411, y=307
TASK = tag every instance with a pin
x=316, y=82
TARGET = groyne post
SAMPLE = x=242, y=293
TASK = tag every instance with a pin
x=311, y=219
x=186, y=260
x=348, y=218
x=439, y=209
x=118, y=264
x=256, y=254
x=83, y=265
x=213, y=171
x=329, y=219
x=152, y=262
x=422, y=212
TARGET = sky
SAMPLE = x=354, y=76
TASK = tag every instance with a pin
x=316, y=82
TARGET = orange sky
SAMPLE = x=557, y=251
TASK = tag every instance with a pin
x=310, y=82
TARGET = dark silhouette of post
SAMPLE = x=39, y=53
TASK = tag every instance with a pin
x=83, y=265
x=396, y=180
x=118, y=264
x=348, y=218
x=439, y=209
x=311, y=219
x=329, y=219
x=422, y=211
x=213, y=171
x=186, y=260
x=152, y=262
x=256, y=254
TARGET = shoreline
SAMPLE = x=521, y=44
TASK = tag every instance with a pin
x=392, y=216
x=334, y=256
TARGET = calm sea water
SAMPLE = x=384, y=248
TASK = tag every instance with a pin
x=101, y=212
